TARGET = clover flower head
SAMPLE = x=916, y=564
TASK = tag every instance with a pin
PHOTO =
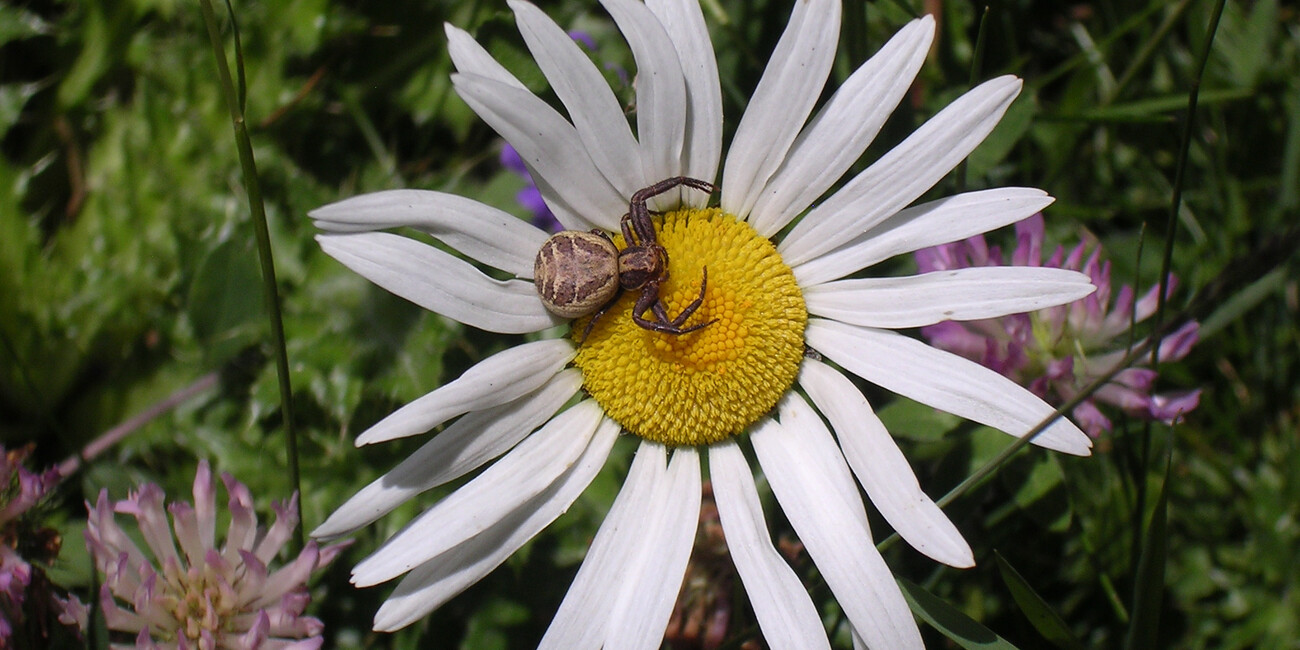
x=24, y=541
x=190, y=590
x=758, y=280
x=1058, y=350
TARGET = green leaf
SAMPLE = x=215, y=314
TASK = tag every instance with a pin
x=916, y=421
x=1040, y=614
x=1155, y=109
x=1013, y=126
x=225, y=303
x=952, y=623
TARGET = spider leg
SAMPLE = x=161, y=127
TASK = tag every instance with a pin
x=640, y=214
x=626, y=225
x=596, y=316
x=643, y=195
x=695, y=304
x=650, y=301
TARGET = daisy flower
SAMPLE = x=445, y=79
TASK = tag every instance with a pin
x=548, y=411
x=195, y=592
x=1059, y=350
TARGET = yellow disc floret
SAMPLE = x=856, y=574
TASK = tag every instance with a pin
x=704, y=386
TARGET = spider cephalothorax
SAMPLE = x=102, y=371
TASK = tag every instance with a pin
x=580, y=273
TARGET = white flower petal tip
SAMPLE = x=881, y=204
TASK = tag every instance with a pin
x=959, y=294
x=784, y=610
x=945, y=381
x=462, y=447
x=502, y=377
x=942, y=221
x=881, y=468
x=903, y=174
x=531, y=468
x=482, y=232
x=594, y=109
x=440, y=282
x=784, y=97
x=661, y=100
x=552, y=149
x=815, y=488
x=841, y=131
x=433, y=583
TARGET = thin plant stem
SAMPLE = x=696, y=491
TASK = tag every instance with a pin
x=258, y=210
x=131, y=425
x=976, y=68
x=1176, y=202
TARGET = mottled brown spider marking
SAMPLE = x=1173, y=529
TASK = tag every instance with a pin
x=641, y=264
x=576, y=272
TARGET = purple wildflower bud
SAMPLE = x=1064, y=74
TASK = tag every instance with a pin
x=189, y=589
x=1055, y=352
x=583, y=38
x=530, y=198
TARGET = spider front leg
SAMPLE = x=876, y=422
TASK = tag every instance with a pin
x=639, y=214
x=661, y=312
x=649, y=300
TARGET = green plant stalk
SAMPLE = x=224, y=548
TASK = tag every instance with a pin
x=1150, y=568
x=1176, y=202
x=270, y=291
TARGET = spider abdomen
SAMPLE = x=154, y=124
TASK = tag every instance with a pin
x=576, y=272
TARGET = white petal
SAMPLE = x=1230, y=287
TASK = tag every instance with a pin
x=482, y=232
x=573, y=186
x=818, y=495
x=652, y=578
x=781, y=103
x=956, y=294
x=785, y=613
x=434, y=582
x=464, y=446
x=441, y=282
x=660, y=91
x=843, y=128
x=523, y=473
x=903, y=174
x=502, y=377
x=943, y=380
x=881, y=467
x=938, y=222
x=550, y=153
x=684, y=22
x=595, y=111
x=583, y=617
x=470, y=57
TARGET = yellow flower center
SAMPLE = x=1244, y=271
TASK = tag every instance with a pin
x=704, y=386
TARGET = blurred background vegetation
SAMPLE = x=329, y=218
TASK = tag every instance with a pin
x=128, y=272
